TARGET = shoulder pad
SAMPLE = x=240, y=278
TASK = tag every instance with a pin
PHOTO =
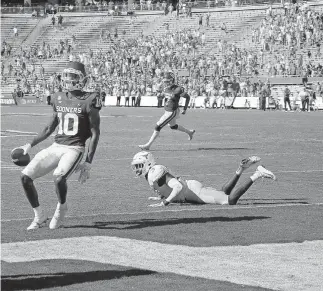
x=156, y=172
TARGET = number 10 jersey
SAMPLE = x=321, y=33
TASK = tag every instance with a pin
x=73, y=114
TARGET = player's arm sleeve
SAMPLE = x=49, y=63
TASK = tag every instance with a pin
x=175, y=185
x=94, y=121
x=47, y=131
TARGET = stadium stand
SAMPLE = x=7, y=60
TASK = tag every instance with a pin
x=228, y=47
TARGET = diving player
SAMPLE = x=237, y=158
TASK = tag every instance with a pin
x=76, y=115
x=171, y=189
x=173, y=93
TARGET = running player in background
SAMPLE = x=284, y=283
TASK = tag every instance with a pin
x=76, y=114
x=173, y=93
x=171, y=189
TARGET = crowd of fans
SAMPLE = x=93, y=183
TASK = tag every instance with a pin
x=115, y=7
x=135, y=66
x=287, y=35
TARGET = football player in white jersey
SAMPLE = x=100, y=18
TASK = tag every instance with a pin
x=77, y=119
x=171, y=189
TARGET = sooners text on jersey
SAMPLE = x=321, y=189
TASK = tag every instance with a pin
x=173, y=94
x=73, y=114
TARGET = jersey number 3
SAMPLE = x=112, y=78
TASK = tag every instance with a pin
x=68, y=124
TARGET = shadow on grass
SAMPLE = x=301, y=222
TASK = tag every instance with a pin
x=222, y=149
x=200, y=149
x=143, y=223
x=269, y=201
x=42, y=281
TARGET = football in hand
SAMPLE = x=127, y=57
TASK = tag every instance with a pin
x=18, y=157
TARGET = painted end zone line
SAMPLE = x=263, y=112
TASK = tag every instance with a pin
x=226, y=208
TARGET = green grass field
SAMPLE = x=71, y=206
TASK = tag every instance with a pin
x=112, y=239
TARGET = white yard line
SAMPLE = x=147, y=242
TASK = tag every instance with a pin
x=287, y=266
x=187, y=208
x=25, y=114
x=19, y=131
x=18, y=135
x=16, y=168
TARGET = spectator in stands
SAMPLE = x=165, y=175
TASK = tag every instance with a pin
x=103, y=96
x=223, y=27
x=304, y=78
x=142, y=4
x=42, y=71
x=2, y=68
x=149, y=5
x=287, y=94
x=319, y=90
x=200, y=20
x=158, y=5
x=126, y=94
x=207, y=19
x=203, y=39
x=15, y=96
x=235, y=90
x=34, y=13
x=170, y=9
x=263, y=94
x=193, y=94
x=47, y=95
x=164, y=6
x=15, y=31
x=53, y=20
x=138, y=98
x=60, y=20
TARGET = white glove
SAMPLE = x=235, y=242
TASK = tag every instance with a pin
x=26, y=148
x=84, y=170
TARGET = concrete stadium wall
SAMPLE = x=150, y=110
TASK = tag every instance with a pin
x=240, y=102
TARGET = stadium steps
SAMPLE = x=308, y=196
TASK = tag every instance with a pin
x=24, y=25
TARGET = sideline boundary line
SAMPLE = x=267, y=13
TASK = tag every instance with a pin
x=236, y=207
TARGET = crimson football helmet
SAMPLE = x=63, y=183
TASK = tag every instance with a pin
x=74, y=77
x=169, y=79
x=142, y=162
